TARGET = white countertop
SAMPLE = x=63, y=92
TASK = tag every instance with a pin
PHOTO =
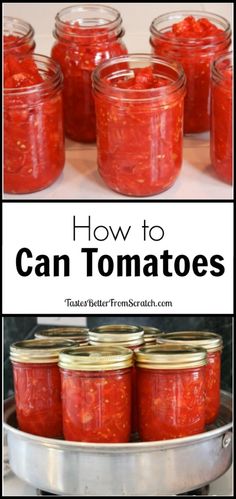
x=80, y=179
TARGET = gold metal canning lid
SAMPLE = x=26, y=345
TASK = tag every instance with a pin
x=123, y=334
x=151, y=333
x=102, y=358
x=76, y=333
x=212, y=342
x=38, y=351
x=170, y=356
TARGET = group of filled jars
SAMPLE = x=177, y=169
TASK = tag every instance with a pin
x=136, y=106
x=117, y=383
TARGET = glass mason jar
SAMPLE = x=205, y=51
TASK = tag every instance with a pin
x=78, y=334
x=221, y=116
x=18, y=40
x=37, y=386
x=33, y=129
x=139, y=123
x=171, y=391
x=124, y=335
x=213, y=345
x=86, y=35
x=150, y=335
x=96, y=394
x=195, y=52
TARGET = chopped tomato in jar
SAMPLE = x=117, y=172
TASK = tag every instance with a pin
x=213, y=371
x=221, y=118
x=82, y=44
x=96, y=405
x=139, y=115
x=171, y=403
x=194, y=41
x=38, y=398
x=18, y=41
x=33, y=127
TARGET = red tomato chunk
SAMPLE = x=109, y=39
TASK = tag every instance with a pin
x=195, y=43
x=213, y=370
x=97, y=406
x=171, y=403
x=38, y=398
x=221, y=126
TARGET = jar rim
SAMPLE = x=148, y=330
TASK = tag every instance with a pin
x=207, y=340
x=53, y=81
x=72, y=31
x=19, y=24
x=193, y=40
x=38, y=351
x=138, y=94
x=170, y=356
x=96, y=358
x=63, y=332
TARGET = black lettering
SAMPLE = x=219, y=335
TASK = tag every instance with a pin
x=89, y=259
x=151, y=269
x=215, y=263
x=166, y=257
x=22, y=253
x=200, y=261
x=185, y=271
x=110, y=265
x=128, y=260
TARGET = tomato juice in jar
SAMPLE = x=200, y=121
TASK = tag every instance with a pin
x=85, y=36
x=151, y=334
x=139, y=111
x=124, y=335
x=18, y=40
x=171, y=391
x=77, y=334
x=213, y=345
x=37, y=385
x=221, y=116
x=96, y=394
x=195, y=39
x=33, y=126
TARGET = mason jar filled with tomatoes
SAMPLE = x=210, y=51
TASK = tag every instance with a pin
x=96, y=394
x=139, y=109
x=78, y=334
x=124, y=335
x=221, y=117
x=85, y=36
x=18, y=40
x=213, y=345
x=195, y=39
x=171, y=391
x=37, y=385
x=34, y=152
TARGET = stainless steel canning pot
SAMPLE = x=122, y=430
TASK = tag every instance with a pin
x=138, y=468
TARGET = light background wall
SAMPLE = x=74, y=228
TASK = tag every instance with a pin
x=136, y=17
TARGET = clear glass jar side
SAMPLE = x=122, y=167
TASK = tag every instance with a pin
x=221, y=117
x=140, y=132
x=196, y=56
x=37, y=390
x=171, y=403
x=34, y=152
x=96, y=405
x=82, y=44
